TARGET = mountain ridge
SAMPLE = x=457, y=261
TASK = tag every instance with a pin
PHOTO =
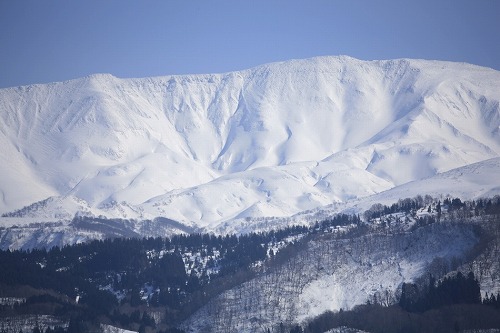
x=273, y=140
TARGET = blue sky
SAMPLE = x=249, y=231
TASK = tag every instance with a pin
x=56, y=40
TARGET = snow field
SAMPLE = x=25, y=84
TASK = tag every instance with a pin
x=274, y=140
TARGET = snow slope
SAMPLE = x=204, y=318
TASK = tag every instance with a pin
x=274, y=140
x=477, y=180
x=330, y=274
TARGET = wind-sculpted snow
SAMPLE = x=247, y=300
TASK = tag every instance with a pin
x=269, y=141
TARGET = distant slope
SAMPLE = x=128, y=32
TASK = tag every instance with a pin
x=477, y=180
x=470, y=182
x=33, y=228
x=269, y=141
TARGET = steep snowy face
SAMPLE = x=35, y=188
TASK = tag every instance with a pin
x=269, y=141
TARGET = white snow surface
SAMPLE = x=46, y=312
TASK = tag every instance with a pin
x=112, y=329
x=274, y=140
x=477, y=180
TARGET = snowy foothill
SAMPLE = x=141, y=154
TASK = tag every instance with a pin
x=334, y=273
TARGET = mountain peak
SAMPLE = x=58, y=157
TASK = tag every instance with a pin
x=99, y=77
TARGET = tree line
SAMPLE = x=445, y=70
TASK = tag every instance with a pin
x=126, y=280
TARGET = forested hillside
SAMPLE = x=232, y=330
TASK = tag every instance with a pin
x=394, y=259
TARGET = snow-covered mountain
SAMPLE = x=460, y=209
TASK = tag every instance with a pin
x=274, y=140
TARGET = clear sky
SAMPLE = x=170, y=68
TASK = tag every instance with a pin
x=56, y=40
